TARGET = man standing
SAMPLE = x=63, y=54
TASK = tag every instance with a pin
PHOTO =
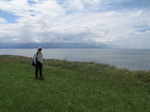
x=38, y=60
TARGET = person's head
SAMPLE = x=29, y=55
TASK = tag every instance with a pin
x=39, y=49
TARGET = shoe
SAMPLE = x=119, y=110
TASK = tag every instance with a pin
x=41, y=78
x=36, y=78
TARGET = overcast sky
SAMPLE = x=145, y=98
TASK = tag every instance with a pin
x=116, y=23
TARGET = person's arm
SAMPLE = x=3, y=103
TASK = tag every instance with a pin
x=42, y=58
x=34, y=58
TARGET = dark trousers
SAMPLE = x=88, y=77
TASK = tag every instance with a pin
x=38, y=68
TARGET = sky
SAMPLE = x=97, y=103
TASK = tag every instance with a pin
x=113, y=23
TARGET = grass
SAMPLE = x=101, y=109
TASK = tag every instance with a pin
x=71, y=87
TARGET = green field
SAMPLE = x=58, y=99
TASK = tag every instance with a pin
x=71, y=87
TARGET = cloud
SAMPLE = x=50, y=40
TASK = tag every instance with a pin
x=2, y=20
x=76, y=21
x=79, y=5
x=17, y=7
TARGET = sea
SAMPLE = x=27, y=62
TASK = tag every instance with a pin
x=133, y=59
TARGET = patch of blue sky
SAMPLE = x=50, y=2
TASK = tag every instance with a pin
x=31, y=2
x=9, y=17
x=63, y=3
x=32, y=15
x=31, y=10
x=134, y=4
x=126, y=5
x=60, y=1
x=144, y=30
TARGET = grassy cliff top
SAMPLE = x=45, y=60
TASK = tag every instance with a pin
x=71, y=87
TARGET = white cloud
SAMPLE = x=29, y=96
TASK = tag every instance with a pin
x=74, y=21
x=76, y=4
x=17, y=7
x=2, y=20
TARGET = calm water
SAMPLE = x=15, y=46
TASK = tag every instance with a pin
x=131, y=59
